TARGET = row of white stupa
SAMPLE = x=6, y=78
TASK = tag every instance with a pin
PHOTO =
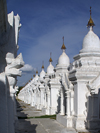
x=70, y=91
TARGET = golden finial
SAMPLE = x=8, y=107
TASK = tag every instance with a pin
x=31, y=78
x=34, y=75
x=50, y=60
x=63, y=46
x=90, y=22
x=43, y=65
x=36, y=71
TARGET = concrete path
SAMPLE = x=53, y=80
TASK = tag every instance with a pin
x=36, y=125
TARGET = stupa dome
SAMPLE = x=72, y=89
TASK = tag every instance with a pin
x=91, y=42
x=36, y=77
x=50, y=69
x=42, y=74
x=64, y=59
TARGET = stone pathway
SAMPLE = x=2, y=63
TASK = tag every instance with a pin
x=36, y=125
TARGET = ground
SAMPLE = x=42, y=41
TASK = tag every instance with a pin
x=26, y=122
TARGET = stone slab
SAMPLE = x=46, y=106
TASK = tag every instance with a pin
x=38, y=125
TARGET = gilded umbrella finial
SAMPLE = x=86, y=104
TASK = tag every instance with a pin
x=42, y=64
x=37, y=71
x=63, y=46
x=90, y=22
x=50, y=60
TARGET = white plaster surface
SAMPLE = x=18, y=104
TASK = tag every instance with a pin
x=9, y=66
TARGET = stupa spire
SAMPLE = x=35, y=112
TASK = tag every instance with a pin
x=50, y=60
x=43, y=65
x=90, y=22
x=36, y=71
x=63, y=46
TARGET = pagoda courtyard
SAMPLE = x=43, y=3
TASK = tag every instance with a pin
x=64, y=99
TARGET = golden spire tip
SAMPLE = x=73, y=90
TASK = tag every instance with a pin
x=50, y=60
x=36, y=71
x=63, y=46
x=90, y=22
x=43, y=65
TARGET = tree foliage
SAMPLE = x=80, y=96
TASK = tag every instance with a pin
x=20, y=87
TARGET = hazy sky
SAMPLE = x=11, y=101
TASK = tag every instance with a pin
x=44, y=23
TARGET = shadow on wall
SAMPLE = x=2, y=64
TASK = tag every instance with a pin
x=23, y=125
x=59, y=104
x=93, y=112
x=61, y=97
x=3, y=106
x=6, y=106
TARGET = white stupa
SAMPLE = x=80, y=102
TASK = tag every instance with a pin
x=42, y=74
x=86, y=67
x=50, y=68
x=36, y=76
x=63, y=61
x=91, y=42
x=90, y=52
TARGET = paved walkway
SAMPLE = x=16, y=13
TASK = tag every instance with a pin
x=35, y=125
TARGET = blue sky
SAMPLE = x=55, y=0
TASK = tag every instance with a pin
x=44, y=23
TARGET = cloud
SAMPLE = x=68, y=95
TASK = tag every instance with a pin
x=27, y=74
x=24, y=78
x=27, y=68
